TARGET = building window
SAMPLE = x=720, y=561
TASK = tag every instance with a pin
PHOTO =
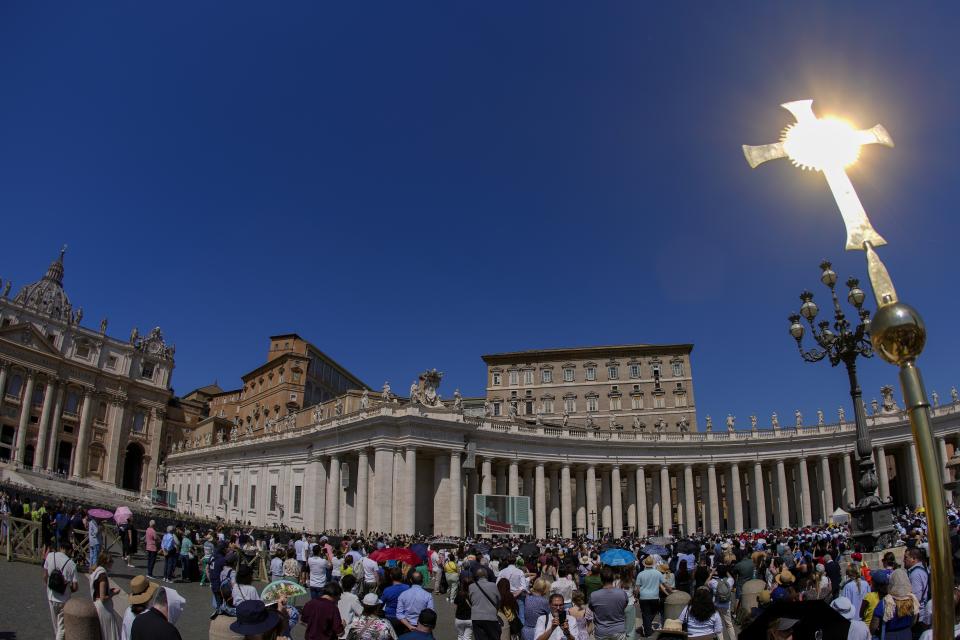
x=592, y=404
x=198, y=492
x=82, y=350
x=236, y=495
x=273, y=497
x=636, y=402
x=38, y=395
x=528, y=407
x=139, y=421
x=496, y=409
x=613, y=372
x=568, y=375
x=681, y=400
x=677, y=369
x=570, y=405
x=15, y=386
x=497, y=378
x=253, y=496
x=658, y=402
x=528, y=376
x=102, y=417
x=548, y=406
x=615, y=403
x=514, y=378
x=591, y=373
x=111, y=362
x=655, y=368
x=208, y=494
x=634, y=371
x=146, y=370
x=297, y=495
x=546, y=375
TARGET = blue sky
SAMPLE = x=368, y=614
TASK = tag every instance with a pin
x=411, y=185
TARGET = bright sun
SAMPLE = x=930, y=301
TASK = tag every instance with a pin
x=822, y=143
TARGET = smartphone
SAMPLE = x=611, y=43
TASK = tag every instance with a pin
x=562, y=617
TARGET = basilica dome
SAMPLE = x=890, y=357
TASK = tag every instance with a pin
x=46, y=296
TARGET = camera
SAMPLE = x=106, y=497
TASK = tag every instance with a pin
x=562, y=616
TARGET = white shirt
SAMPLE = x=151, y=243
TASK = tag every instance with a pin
x=350, y=607
x=517, y=578
x=318, y=571
x=858, y=630
x=369, y=570
x=300, y=546
x=58, y=560
x=544, y=621
x=565, y=587
x=696, y=627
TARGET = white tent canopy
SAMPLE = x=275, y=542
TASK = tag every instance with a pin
x=839, y=517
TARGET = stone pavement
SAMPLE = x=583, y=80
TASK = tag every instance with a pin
x=24, y=614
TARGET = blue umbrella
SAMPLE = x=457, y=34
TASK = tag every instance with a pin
x=617, y=557
x=420, y=550
x=655, y=550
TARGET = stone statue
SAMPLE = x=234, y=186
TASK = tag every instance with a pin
x=636, y=422
x=539, y=418
x=709, y=422
x=457, y=400
x=936, y=399
x=317, y=414
x=103, y=326
x=234, y=433
x=414, y=395
x=610, y=423
x=842, y=415
x=79, y=315
x=365, y=400
x=753, y=423
x=617, y=426
x=775, y=421
x=797, y=419
x=385, y=393
x=267, y=426
x=513, y=409
x=249, y=428
x=566, y=418
x=196, y=442
x=820, y=419
x=219, y=437
x=889, y=403
x=684, y=424
x=338, y=407
x=134, y=334
x=661, y=425
x=591, y=423
x=486, y=409
x=6, y=289
x=874, y=407
x=731, y=422
x=954, y=396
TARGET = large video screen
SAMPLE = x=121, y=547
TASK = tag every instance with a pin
x=506, y=515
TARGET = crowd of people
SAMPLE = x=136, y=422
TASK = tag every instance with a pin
x=509, y=588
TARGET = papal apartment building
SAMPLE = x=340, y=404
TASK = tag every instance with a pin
x=639, y=386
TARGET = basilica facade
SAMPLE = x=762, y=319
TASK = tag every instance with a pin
x=76, y=402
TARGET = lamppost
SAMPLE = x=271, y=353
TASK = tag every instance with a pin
x=872, y=519
x=897, y=331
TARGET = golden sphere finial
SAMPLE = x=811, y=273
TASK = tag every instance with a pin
x=898, y=333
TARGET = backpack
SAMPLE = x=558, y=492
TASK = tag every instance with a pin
x=55, y=581
x=722, y=595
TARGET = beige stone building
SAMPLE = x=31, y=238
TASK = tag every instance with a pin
x=74, y=400
x=638, y=387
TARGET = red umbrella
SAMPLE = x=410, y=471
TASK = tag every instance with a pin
x=396, y=553
x=100, y=514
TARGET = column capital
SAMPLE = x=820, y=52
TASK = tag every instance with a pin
x=411, y=447
x=712, y=465
x=4, y=365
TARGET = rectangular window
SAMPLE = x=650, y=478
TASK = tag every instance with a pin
x=681, y=400
x=677, y=369
x=568, y=375
x=273, y=497
x=548, y=406
x=569, y=405
x=615, y=403
x=634, y=371
x=146, y=370
x=546, y=375
x=198, y=492
x=253, y=496
x=514, y=378
x=591, y=373
x=592, y=404
x=656, y=370
x=208, y=494
x=636, y=402
x=297, y=495
x=111, y=362
x=83, y=351
x=497, y=378
x=658, y=402
x=221, y=495
x=189, y=491
x=236, y=495
x=528, y=376
x=528, y=407
x=496, y=409
x=613, y=372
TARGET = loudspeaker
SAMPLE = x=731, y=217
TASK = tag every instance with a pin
x=344, y=475
x=470, y=462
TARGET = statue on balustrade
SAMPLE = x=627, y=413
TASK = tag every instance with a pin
x=220, y=436
x=486, y=408
x=413, y=393
x=539, y=418
x=365, y=400
x=234, y=433
x=889, y=403
x=457, y=400
x=731, y=423
x=936, y=399
x=753, y=423
x=820, y=419
x=636, y=422
x=385, y=393
x=954, y=395
x=338, y=407
x=317, y=414
x=659, y=425
x=513, y=410
x=775, y=421
x=874, y=407
x=590, y=423
x=684, y=424
x=566, y=418
x=206, y=439
x=842, y=415
x=797, y=419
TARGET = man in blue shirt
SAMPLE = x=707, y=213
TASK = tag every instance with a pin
x=390, y=597
x=412, y=602
x=426, y=622
x=93, y=536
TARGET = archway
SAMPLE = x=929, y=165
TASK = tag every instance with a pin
x=133, y=467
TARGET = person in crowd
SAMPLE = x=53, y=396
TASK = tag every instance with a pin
x=462, y=611
x=783, y=585
x=452, y=575
x=95, y=539
x=412, y=601
x=150, y=545
x=651, y=584
x=565, y=585
x=834, y=573
x=317, y=567
x=484, y=603
x=169, y=545
x=370, y=573
x=537, y=604
x=858, y=629
x=349, y=604
x=609, y=606
x=426, y=622
x=881, y=582
x=154, y=623
x=244, y=590
x=186, y=546
x=208, y=551
x=60, y=580
x=368, y=625
x=683, y=580
x=256, y=621
x=919, y=586
x=391, y=596
x=592, y=581
x=896, y=614
x=582, y=627
x=508, y=611
x=102, y=594
x=557, y=624
x=855, y=588
x=721, y=585
x=141, y=593
x=291, y=567
x=322, y=616
x=701, y=616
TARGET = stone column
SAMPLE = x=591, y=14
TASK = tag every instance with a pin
x=55, y=427
x=690, y=510
x=332, y=519
x=805, y=511
x=540, y=509
x=784, y=502
x=363, y=489
x=486, y=483
x=713, y=498
x=592, y=515
x=942, y=447
x=116, y=431
x=827, y=487
x=554, y=500
x=409, y=501
x=915, y=475
x=383, y=489
x=26, y=406
x=513, y=478
x=880, y=460
x=758, y=495
x=605, y=508
x=617, y=501
x=81, y=454
x=529, y=491
x=155, y=429
x=566, y=508
x=737, y=501
x=631, y=503
x=581, y=518
x=40, y=453
x=4, y=367
x=642, y=524
x=848, y=481
x=398, y=518
x=666, y=508
x=501, y=480
x=456, y=487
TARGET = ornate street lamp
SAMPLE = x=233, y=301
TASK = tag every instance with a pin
x=897, y=331
x=872, y=519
